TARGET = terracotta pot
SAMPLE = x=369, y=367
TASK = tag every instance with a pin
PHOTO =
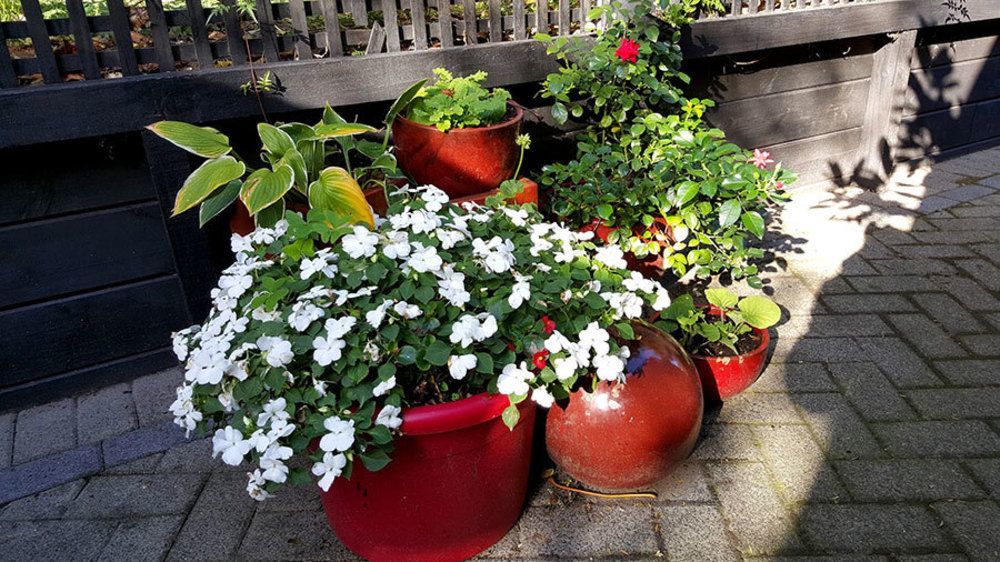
x=462, y=162
x=376, y=198
x=628, y=436
x=529, y=194
x=456, y=485
x=649, y=266
x=725, y=377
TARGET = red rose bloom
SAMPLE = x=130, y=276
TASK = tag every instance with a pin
x=548, y=325
x=628, y=50
x=539, y=359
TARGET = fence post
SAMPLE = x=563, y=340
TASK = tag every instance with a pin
x=886, y=94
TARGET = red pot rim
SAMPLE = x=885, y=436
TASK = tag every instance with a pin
x=765, y=339
x=518, y=115
x=454, y=416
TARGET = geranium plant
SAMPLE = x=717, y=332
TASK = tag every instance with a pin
x=458, y=102
x=721, y=329
x=322, y=332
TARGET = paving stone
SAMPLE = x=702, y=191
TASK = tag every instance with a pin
x=695, y=532
x=833, y=325
x=935, y=251
x=837, y=428
x=688, y=482
x=753, y=510
x=193, y=456
x=912, y=267
x=759, y=408
x=898, y=362
x=42, y=474
x=794, y=377
x=804, y=300
x=948, y=313
x=938, y=438
x=867, y=303
x=891, y=284
x=6, y=439
x=932, y=558
x=967, y=192
x=798, y=464
x=145, y=465
x=976, y=527
x=986, y=345
x=926, y=336
x=973, y=211
x=290, y=498
x=946, y=237
x=978, y=224
x=135, y=496
x=970, y=371
x=217, y=521
x=105, y=413
x=599, y=531
x=870, y=392
x=142, y=539
x=907, y=480
x=984, y=272
x=298, y=535
x=991, y=181
x=867, y=528
x=49, y=504
x=968, y=292
x=141, y=442
x=44, y=430
x=726, y=442
x=987, y=472
x=153, y=395
x=957, y=403
x=55, y=541
x=812, y=350
x=892, y=236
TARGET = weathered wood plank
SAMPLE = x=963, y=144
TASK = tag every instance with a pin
x=234, y=34
x=200, y=33
x=496, y=22
x=376, y=41
x=945, y=54
x=300, y=30
x=391, y=18
x=541, y=16
x=446, y=31
x=121, y=28
x=883, y=107
x=83, y=39
x=359, y=12
x=40, y=41
x=265, y=16
x=331, y=28
x=8, y=78
x=942, y=87
x=161, y=35
x=819, y=158
x=564, y=21
x=419, y=17
x=947, y=129
x=469, y=18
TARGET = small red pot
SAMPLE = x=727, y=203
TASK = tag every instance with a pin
x=628, y=436
x=461, y=162
x=725, y=377
x=649, y=266
x=528, y=194
x=456, y=485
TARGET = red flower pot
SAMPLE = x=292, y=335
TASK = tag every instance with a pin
x=651, y=266
x=528, y=194
x=724, y=377
x=628, y=436
x=456, y=485
x=462, y=162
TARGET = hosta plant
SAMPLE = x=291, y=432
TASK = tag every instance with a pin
x=720, y=329
x=458, y=102
x=322, y=332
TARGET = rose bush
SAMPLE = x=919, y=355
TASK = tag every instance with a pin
x=322, y=332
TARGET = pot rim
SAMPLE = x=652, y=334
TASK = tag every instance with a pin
x=518, y=116
x=765, y=339
x=454, y=416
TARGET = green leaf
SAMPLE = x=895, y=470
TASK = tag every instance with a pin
x=437, y=353
x=375, y=460
x=218, y=201
x=729, y=212
x=605, y=211
x=407, y=355
x=294, y=159
x=200, y=141
x=625, y=330
x=263, y=187
x=722, y=298
x=754, y=223
x=386, y=370
x=335, y=190
x=334, y=130
x=559, y=113
x=760, y=312
x=270, y=215
x=403, y=100
x=331, y=116
x=510, y=416
x=205, y=180
x=275, y=140
x=484, y=363
x=686, y=191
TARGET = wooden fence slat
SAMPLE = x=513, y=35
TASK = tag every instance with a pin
x=358, y=10
x=376, y=41
x=161, y=35
x=496, y=22
x=769, y=6
x=8, y=78
x=234, y=33
x=391, y=20
x=519, y=31
x=202, y=48
x=121, y=29
x=752, y=6
x=40, y=41
x=419, y=19
x=469, y=17
x=564, y=22
x=83, y=39
x=737, y=7
x=541, y=16
x=447, y=30
x=300, y=29
x=331, y=26
x=585, y=7
x=265, y=17
x=786, y=4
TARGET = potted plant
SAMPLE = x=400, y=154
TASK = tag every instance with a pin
x=727, y=339
x=458, y=135
x=399, y=362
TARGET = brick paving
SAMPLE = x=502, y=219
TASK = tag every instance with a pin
x=874, y=433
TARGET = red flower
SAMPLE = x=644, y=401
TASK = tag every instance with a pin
x=548, y=325
x=539, y=359
x=779, y=185
x=510, y=345
x=628, y=50
x=761, y=158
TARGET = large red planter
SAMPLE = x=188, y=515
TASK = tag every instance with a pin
x=725, y=377
x=651, y=266
x=461, y=162
x=456, y=485
x=628, y=436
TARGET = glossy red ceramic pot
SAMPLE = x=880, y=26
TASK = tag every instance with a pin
x=461, y=162
x=725, y=377
x=456, y=485
x=528, y=194
x=652, y=266
x=625, y=436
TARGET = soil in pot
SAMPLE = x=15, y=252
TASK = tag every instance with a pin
x=725, y=374
x=461, y=162
x=628, y=436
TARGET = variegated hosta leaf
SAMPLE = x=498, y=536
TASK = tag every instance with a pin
x=270, y=215
x=275, y=140
x=200, y=141
x=337, y=191
x=218, y=201
x=205, y=180
x=294, y=159
x=333, y=130
x=264, y=187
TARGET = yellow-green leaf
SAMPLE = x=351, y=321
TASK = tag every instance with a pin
x=275, y=140
x=205, y=180
x=264, y=187
x=337, y=191
x=201, y=141
x=333, y=130
x=218, y=201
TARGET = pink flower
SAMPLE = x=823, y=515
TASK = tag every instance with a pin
x=628, y=50
x=761, y=158
x=779, y=185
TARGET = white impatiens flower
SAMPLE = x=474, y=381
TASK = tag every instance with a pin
x=327, y=350
x=272, y=463
x=322, y=261
x=384, y=386
x=636, y=282
x=520, y=292
x=518, y=217
x=329, y=469
x=422, y=221
x=261, y=315
x=183, y=410
x=543, y=397
x=406, y=310
x=609, y=367
x=230, y=443
x=459, y=365
x=451, y=286
x=278, y=350
x=496, y=256
x=514, y=379
x=662, y=299
x=255, y=486
x=424, y=259
x=397, y=245
x=375, y=316
x=449, y=238
x=235, y=285
x=624, y=304
x=360, y=243
x=434, y=198
x=389, y=417
x=340, y=436
x=565, y=367
x=240, y=244
x=340, y=327
x=303, y=314
x=468, y=328
x=274, y=410
x=611, y=256
x=596, y=338
x=180, y=343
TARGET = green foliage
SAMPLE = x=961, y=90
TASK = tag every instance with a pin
x=699, y=330
x=457, y=103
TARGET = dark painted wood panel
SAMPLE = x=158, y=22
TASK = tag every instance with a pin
x=793, y=115
x=71, y=334
x=81, y=252
x=947, y=86
x=951, y=51
x=946, y=129
x=819, y=158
